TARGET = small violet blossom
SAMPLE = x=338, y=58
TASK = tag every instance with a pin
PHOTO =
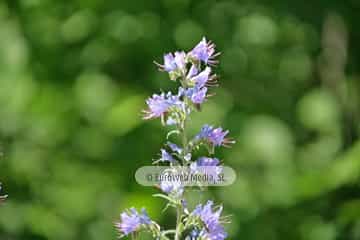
x=174, y=62
x=201, y=79
x=166, y=157
x=196, y=95
x=204, y=51
x=194, y=235
x=207, y=162
x=208, y=166
x=171, y=186
x=215, y=136
x=131, y=221
x=159, y=105
x=211, y=219
x=174, y=147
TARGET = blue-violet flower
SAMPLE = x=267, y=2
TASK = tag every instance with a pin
x=161, y=104
x=215, y=136
x=211, y=219
x=204, y=51
x=131, y=221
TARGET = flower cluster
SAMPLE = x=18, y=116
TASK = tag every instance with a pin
x=194, y=72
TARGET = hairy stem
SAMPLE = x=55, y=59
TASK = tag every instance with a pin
x=179, y=206
x=184, y=142
x=178, y=222
x=185, y=152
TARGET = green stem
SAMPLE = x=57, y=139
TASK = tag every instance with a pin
x=178, y=222
x=184, y=142
x=179, y=209
x=172, y=231
x=179, y=206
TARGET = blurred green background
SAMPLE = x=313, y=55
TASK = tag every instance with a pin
x=73, y=79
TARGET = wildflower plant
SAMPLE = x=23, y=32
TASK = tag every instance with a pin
x=194, y=72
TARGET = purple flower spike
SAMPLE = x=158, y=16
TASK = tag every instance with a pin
x=194, y=72
x=211, y=219
x=204, y=51
x=131, y=221
x=216, y=136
